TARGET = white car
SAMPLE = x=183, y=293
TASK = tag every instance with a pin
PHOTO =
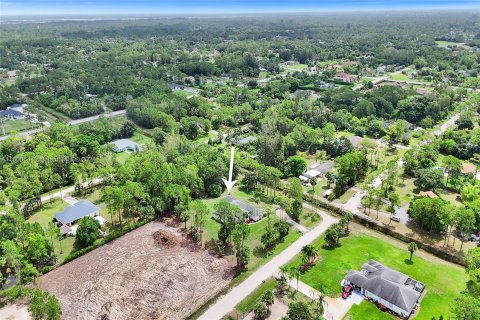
x=474, y=237
x=395, y=218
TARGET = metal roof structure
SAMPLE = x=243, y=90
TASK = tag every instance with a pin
x=77, y=211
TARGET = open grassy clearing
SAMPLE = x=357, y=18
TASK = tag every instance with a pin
x=47, y=212
x=19, y=125
x=140, y=138
x=443, y=43
x=359, y=247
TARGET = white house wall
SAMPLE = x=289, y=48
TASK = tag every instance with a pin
x=387, y=304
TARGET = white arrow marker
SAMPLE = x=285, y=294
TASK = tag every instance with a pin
x=229, y=184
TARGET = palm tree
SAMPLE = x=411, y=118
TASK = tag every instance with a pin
x=319, y=302
x=412, y=247
x=283, y=279
x=295, y=273
x=309, y=253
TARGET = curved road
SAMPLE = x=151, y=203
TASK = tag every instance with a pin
x=227, y=303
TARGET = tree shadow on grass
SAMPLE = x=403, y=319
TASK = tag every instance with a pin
x=260, y=252
x=407, y=261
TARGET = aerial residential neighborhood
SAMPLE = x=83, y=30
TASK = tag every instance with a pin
x=231, y=160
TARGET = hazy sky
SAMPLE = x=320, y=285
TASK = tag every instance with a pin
x=19, y=7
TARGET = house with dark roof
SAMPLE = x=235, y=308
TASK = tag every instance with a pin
x=390, y=288
x=75, y=212
x=246, y=140
x=252, y=213
x=14, y=112
x=176, y=87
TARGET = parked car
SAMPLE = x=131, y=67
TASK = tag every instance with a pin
x=327, y=193
x=395, y=218
x=473, y=237
x=347, y=291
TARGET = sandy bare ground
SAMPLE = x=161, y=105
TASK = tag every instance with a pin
x=15, y=312
x=132, y=277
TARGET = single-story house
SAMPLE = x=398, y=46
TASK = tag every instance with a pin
x=428, y=193
x=253, y=213
x=423, y=92
x=14, y=112
x=176, y=87
x=345, y=77
x=322, y=167
x=315, y=171
x=390, y=288
x=469, y=168
x=122, y=145
x=246, y=140
x=75, y=212
x=12, y=73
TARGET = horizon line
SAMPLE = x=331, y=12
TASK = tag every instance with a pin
x=287, y=11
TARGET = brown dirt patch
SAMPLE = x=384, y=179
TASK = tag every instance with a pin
x=165, y=238
x=133, y=277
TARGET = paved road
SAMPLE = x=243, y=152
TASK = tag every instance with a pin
x=63, y=193
x=282, y=215
x=227, y=303
x=105, y=115
x=72, y=123
x=355, y=201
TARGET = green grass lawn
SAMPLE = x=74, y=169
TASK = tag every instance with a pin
x=400, y=77
x=367, y=310
x=18, y=125
x=258, y=256
x=357, y=249
x=64, y=249
x=296, y=67
x=246, y=305
x=123, y=156
x=345, y=197
x=445, y=43
x=406, y=190
x=46, y=215
x=140, y=138
x=47, y=212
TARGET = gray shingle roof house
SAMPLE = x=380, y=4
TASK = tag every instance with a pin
x=14, y=112
x=122, y=145
x=391, y=288
x=77, y=211
x=253, y=213
x=246, y=140
x=176, y=87
x=323, y=167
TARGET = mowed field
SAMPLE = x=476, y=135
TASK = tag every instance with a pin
x=133, y=277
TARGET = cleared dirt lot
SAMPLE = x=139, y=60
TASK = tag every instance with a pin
x=135, y=278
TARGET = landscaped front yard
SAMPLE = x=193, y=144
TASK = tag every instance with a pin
x=359, y=248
